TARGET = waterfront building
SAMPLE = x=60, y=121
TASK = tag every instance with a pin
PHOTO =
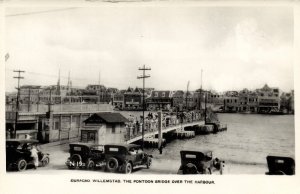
x=133, y=99
x=10, y=98
x=287, y=102
x=217, y=98
x=160, y=100
x=118, y=100
x=252, y=101
x=268, y=99
x=29, y=94
x=178, y=99
x=95, y=87
x=198, y=99
x=62, y=122
x=188, y=102
x=104, y=128
x=53, y=94
x=231, y=101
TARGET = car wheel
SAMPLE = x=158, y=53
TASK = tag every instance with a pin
x=90, y=165
x=128, y=168
x=21, y=164
x=112, y=164
x=190, y=169
x=149, y=162
x=46, y=161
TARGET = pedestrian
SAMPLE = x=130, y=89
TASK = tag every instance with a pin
x=222, y=167
x=160, y=149
x=34, y=155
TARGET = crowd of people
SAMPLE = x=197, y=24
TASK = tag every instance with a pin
x=135, y=124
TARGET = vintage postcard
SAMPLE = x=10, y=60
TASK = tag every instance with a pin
x=148, y=96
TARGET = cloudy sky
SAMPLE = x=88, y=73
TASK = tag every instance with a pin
x=237, y=47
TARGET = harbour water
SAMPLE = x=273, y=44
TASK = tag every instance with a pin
x=244, y=146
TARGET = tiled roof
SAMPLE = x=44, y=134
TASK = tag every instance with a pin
x=108, y=117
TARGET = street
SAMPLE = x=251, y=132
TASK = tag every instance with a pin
x=160, y=165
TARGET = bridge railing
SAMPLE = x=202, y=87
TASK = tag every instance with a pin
x=135, y=129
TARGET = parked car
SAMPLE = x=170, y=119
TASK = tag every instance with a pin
x=199, y=162
x=18, y=154
x=280, y=165
x=85, y=155
x=123, y=157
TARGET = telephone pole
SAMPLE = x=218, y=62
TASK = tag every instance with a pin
x=29, y=101
x=200, y=94
x=144, y=76
x=17, y=103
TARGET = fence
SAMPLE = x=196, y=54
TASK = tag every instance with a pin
x=134, y=129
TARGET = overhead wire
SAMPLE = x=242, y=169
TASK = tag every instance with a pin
x=51, y=75
x=40, y=12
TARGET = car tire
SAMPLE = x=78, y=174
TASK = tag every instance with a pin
x=90, y=165
x=190, y=169
x=112, y=164
x=128, y=168
x=149, y=162
x=76, y=159
x=45, y=161
x=21, y=165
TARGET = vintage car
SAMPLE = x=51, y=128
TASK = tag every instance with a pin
x=199, y=162
x=85, y=155
x=123, y=157
x=18, y=154
x=280, y=165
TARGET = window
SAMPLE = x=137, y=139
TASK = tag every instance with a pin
x=77, y=148
x=190, y=156
x=163, y=94
x=113, y=149
x=156, y=94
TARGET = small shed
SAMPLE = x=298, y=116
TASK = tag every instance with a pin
x=103, y=128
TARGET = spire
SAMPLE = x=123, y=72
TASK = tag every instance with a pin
x=58, y=82
x=69, y=82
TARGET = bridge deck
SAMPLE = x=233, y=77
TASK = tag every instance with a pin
x=165, y=130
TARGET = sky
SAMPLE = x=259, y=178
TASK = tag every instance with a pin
x=236, y=47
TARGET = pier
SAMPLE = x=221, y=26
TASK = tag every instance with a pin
x=168, y=129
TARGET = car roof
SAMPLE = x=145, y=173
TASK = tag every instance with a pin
x=195, y=151
x=123, y=145
x=280, y=155
x=22, y=141
x=84, y=144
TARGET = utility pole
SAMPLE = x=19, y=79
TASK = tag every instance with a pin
x=29, y=91
x=144, y=76
x=17, y=105
x=38, y=102
x=186, y=96
x=200, y=94
x=50, y=100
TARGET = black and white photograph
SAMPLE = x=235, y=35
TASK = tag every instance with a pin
x=193, y=92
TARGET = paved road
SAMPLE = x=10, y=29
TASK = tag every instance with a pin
x=160, y=165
